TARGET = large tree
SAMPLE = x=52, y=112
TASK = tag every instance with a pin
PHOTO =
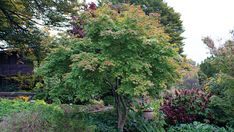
x=221, y=59
x=168, y=18
x=217, y=76
x=22, y=22
x=124, y=54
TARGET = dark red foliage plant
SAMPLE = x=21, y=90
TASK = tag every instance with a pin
x=77, y=23
x=92, y=6
x=186, y=105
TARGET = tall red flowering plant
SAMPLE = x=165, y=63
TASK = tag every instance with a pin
x=186, y=105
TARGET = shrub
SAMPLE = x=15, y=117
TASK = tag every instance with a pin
x=137, y=123
x=187, y=105
x=89, y=116
x=28, y=121
x=25, y=116
x=104, y=121
x=222, y=102
x=17, y=115
x=8, y=107
x=198, y=127
x=222, y=111
x=74, y=123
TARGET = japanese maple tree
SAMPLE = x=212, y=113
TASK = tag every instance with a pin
x=125, y=53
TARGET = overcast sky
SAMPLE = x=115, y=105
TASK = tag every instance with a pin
x=202, y=18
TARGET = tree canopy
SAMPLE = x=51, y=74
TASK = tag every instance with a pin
x=21, y=20
x=221, y=60
x=170, y=19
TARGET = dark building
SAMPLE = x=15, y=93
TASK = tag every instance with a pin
x=12, y=64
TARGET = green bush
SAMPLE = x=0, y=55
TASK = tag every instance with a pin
x=74, y=123
x=35, y=120
x=198, y=127
x=137, y=123
x=8, y=107
x=222, y=111
x=222, y=101
x=17, y=115
x=104, y=121
x=79, y=118
x=25, y=116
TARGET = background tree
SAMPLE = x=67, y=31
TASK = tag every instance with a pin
x=168, y=18
x=22, y=22
x=218, y=79
x=221, y=59
x=189, y=75
x=125, y=54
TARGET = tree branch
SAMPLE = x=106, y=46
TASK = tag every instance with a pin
x=22, y=17
x=39, y=6
x=108, y=83
x=10, y=19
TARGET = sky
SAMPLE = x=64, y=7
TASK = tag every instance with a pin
x=201, y=18
x=213, y=18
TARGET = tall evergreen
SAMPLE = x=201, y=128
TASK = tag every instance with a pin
x=168, y=18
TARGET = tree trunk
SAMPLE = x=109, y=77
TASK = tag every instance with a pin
x=122, y=116
x=120, y=105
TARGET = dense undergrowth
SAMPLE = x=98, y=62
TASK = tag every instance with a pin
x=18, y=115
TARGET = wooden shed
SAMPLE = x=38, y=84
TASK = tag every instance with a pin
x=11, y=64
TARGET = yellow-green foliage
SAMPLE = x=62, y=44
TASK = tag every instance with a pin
x=17, y=116
x=128, y=45
x=8, y=107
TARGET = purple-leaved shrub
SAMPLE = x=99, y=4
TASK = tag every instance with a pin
x=186, y=105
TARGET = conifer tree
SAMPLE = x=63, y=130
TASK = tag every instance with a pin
x=168, y=18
